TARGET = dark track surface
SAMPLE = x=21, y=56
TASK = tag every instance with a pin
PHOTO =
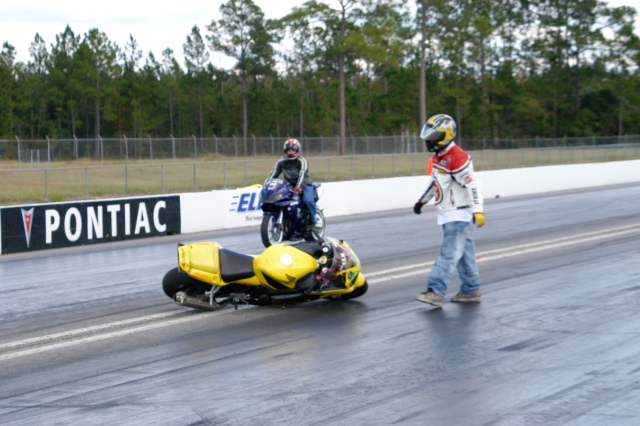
x=556, y=340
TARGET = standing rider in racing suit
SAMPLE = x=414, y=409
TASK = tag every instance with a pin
x=295, y=170
x=459, y=201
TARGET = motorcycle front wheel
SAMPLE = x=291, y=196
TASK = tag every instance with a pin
x=270, y=231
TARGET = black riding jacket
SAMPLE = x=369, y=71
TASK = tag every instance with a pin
x=295, y=171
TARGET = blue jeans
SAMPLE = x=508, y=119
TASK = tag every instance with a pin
x=457, y=251
x=307, y=199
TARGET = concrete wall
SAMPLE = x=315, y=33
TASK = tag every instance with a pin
x=238, y=208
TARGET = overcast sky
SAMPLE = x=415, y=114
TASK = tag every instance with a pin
x=155, y=25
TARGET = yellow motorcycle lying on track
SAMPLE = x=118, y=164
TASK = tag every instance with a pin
x=209, y=276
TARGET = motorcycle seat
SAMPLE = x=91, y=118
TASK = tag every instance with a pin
x=235, y=266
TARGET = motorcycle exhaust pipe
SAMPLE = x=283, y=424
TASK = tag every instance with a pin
x=183, y=299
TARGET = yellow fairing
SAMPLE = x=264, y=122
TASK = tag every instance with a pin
x=353, y=280
x=359, y=280
x=285, y=264
x=201, y=261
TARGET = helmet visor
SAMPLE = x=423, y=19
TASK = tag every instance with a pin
x=432, y=135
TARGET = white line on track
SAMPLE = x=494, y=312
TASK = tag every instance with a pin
x=110, y=330
x=86, y=330
x=96, y=337
x=423, y=268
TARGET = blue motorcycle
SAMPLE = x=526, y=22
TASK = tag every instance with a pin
x=285, y=216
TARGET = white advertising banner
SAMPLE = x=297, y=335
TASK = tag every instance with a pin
x=237, y=208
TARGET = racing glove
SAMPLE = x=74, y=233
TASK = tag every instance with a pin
x=297, y=190
x=478, y=218
x=417, y=207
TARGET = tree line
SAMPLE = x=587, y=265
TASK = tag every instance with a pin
x=502, y=68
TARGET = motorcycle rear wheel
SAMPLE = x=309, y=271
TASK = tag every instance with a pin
x=270, y=232
x=175, y=281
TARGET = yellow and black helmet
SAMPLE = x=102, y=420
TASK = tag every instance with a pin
x=438, y=132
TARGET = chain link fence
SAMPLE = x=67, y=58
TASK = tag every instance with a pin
x=30, y=152
x=194, y=148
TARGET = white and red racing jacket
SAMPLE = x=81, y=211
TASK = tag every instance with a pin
x=454, y=185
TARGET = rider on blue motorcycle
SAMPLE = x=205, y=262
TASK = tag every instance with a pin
x=295, y=170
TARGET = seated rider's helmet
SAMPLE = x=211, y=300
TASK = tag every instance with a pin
x=292, y=144
x=438, y=132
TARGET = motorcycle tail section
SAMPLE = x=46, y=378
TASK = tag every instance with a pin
x=210, y=263
x=201, y=261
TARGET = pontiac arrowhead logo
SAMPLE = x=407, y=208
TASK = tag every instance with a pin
x=27, y=218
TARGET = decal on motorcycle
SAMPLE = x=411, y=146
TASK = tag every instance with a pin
x=286, y=259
